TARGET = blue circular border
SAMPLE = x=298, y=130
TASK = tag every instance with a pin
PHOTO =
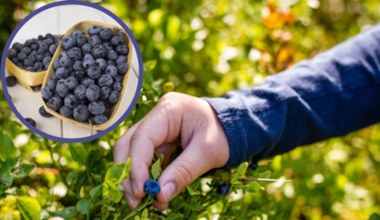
x=72, y=140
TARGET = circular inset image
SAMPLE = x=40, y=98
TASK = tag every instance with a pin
x=71, y=71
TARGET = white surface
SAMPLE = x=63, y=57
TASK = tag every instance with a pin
x=58, y=20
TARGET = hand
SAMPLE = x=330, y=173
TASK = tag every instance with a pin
x=177, y=119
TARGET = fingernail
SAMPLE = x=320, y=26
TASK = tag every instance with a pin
x=168, y=190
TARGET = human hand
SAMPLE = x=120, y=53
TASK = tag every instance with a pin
x=178, y=119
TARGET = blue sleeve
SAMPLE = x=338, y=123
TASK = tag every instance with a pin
x=330, y=95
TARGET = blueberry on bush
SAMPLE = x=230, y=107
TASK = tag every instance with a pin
x=223, y=189
x=152, y=187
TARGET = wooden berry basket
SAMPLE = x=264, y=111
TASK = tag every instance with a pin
x=83, y=26
x=25, y=78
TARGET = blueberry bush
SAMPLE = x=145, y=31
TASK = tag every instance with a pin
x=202, y=48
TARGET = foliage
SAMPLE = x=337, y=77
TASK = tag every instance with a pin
x=203, y=48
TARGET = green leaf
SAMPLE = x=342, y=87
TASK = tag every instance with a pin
x=79, y=153
x=9, y=164
x=67, y=213
x=242, y=169
x=253, y=187
x=83, y=206
x=7, y=149
x=149, y=65
x=23, y=170
x=118, y=172
x=144, y=215
x=96, y=191
x=265, y=174
x=156, y=169
x=111, y=192
x=29, y=207
x=6, y=180
x=374, y=216
x=192, y=191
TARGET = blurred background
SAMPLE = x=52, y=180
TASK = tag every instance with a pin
x=206, y=48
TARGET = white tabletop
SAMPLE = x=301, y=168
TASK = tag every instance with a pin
x=58, y=20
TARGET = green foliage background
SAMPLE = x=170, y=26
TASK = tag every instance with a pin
x=205, y=48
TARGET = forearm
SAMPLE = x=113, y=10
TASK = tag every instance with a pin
x=332, y=94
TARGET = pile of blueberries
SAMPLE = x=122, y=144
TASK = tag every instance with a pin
x=35, y=54
x=88, y=75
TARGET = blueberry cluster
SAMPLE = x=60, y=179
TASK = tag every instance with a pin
x=35, y=54
x=152, y=187
x=88, y=75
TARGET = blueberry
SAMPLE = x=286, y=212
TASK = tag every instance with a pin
x=117, y=39
x=49, y=41
x=31, y=122
x=54, y=103
x=22, y=56
x=44, y=47
x=30, y=69
x=108, y=45
x=28, y=62
x=112, y=55
x=15, y=60
x=71, y=82
x=65, y=111
x=62, y=90
x=77, y=65
x=87, y=82
x=94, y=72
x=70, y=101
x=77, y=33
x=94, y=40
x=46, y=62
x=122, y=49
x=114, y=97
x=95, y=29
x=105, y=80
x=81, y=41
x=65, y=61
x=80, y=92
x=253, y=166
x=52, y=48
x=32, y=58
x=152, y=187
x=222, y=189
x=105, y=92
x=93, y=93
x=99, y=119
x=38, y=66
x=68, y=42
x=111, y=62
x=88, y=61
x=99, y=51
x=111, y=70
x=86, y=48
x=40, y=37
x=51, y=84
x=34, y=47
x=102, y=63
x=26, y=50
x=81, y=113
x=12, y=53
x=80, y=74
x=62, y=73
x=41, y=51
x=43, y=112
x=121, y=59
x=75, y=53
x=97, y=107
x=122, y=68
x=17, y=46
x=118, y=78
x=106, y=34
x=39, y=57
x=48, y=35
x=10, y=81
x=117, y=86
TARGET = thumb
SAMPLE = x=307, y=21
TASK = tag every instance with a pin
x=188, y=166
